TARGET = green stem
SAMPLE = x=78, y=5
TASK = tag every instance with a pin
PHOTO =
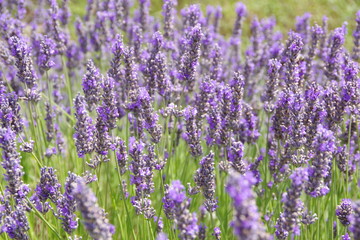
x=43, y=219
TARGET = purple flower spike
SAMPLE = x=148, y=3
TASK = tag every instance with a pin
x=189, y=60
x=193, y=133
x=334, y=55
x=354, y=219
x=324, y=149
x=84, y=128
x=217, y=233
x=356, y=35
x=92, y=81
x=343, y=211
x=67, y=205
x=47, y=51
x=247, y=223
x=176, y=206
x=169, y=13
x=11, y=164
x=205, y=180
x=48, y=188
x=289, y=219
x=94, y=218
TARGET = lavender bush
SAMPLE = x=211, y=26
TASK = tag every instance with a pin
x=118, y=124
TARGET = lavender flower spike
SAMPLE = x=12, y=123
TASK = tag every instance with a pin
x=48, y=188
x=356, y=35
x=247, y=224
x=343, y=211
x=176, y=205
x=290, y=218
x=11, y=164
x=67, y=205
x=94, y=218
x=319, y=173
x=189, y=60
x=192, y=134
x=169, y=12
x=84, y=128
x=92, y=85
x=16, y=224
x=355, y=220
x=205, y=179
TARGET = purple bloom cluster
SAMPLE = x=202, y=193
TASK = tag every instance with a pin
x=205, y=180
x=170, y=99
x=293, y=206
x=94, y=218
x=344, y=210
x=176, y=206
x=321, y=161
x=246, y=223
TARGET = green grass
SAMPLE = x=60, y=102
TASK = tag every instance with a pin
x=285, y=11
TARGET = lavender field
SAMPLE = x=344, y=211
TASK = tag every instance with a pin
x=120, y=123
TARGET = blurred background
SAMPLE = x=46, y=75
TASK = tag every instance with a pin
x=285, y=11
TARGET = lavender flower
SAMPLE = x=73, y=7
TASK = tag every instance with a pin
x=141, y=170
x=48, y=188
x=145, y=112
x=168, y=12
x=11, y=164
x=54, y=29
x=161, y=236
x=316, y=34
x=131, y=78
x=142, y=174
x=122, y=13
x=102, y=136
x=191, y=16
x=292, y=210
x=319, y=173
x=49, y=119
x=108, y=111
x=94, y=218
x=217, y=233
x=355, y=220
x=202, y=232
x=84, y=128
x=335, y=50
x=176, y=206
x=10, y=112
x=248, y=127
x=66, y=205
x=192, y=134
x=26, y=74
x=121, y=155
x=144, y=14
x=216, y=63
x=237, y=92
x=92, y=81
x=117, y=51
x=152, y=67
x=82, y=35
x=271, y=85
x=356, y=35
x=189, y=60
x=246, y=222
x=343, y=211
x=16, y=224
x=345, y=237
x=205, y=179
x=47, y=51
x=235, y=155
x=235, y=39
